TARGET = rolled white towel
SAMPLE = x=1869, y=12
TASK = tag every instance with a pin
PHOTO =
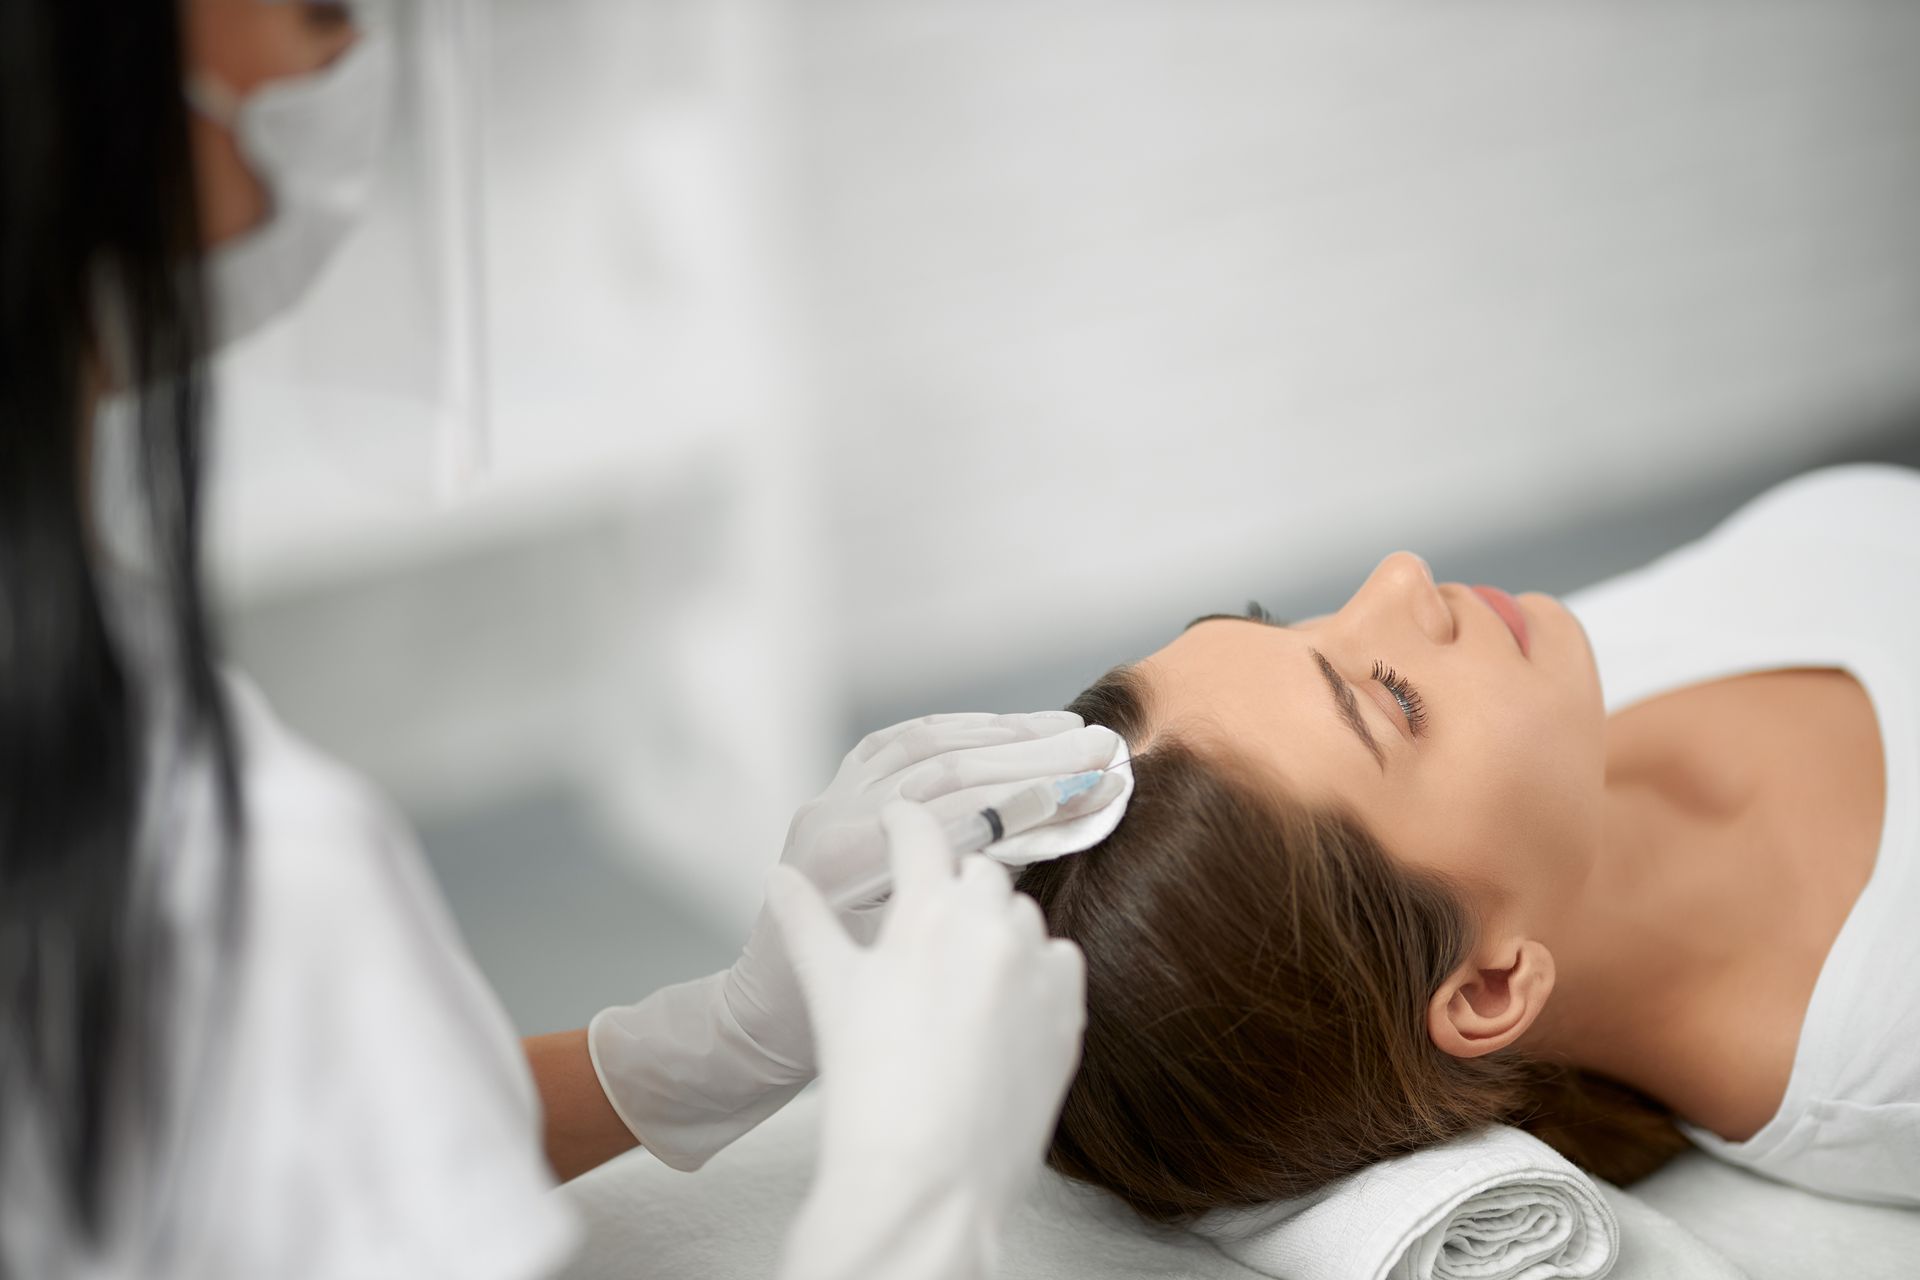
x=1496, y=1205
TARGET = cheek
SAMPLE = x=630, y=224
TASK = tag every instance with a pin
x=1543, y=787
x=1567, y=667
x=1543, y=734
x=1506, y=801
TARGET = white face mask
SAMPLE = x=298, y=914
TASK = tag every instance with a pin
x=314, y=143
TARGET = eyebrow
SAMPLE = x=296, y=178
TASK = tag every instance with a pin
x=1349, y=708
x=1344, y=702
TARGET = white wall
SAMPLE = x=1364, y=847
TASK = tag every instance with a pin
x=1120, y=307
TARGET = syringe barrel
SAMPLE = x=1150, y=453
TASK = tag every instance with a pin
x=968, y=833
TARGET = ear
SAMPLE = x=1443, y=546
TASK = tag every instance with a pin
x=1490, y=1001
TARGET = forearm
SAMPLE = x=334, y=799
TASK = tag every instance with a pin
x=582, y=1129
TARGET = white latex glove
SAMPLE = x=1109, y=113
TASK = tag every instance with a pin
x=694, y=1066
x=945, y=1050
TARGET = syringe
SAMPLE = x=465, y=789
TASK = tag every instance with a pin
x=1030, y=807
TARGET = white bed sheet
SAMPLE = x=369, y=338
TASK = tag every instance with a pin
x=1776, y=1232
x=726, y=1222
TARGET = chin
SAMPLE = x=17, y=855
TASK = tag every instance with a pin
x=1578, y=655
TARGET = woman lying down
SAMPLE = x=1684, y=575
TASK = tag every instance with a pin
x=1625, y=870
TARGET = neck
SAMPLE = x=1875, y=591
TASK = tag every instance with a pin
x=1638, y=955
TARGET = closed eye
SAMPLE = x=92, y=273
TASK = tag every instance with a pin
x=1412, y=706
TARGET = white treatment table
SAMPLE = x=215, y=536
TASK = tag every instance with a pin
x=1699, y=1219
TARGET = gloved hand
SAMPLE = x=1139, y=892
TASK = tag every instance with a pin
x=945, y=1050
x=694, y=1066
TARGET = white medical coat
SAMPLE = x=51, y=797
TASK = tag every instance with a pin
x=364, y=1110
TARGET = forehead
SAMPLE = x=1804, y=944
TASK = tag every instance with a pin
x=1219, y=648
x=1219, y=664
x=1251, y=690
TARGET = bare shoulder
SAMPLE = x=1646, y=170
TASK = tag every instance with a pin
x=1795, y=757
x=1741, y=1058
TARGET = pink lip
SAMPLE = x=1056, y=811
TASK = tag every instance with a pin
x=1509, y=610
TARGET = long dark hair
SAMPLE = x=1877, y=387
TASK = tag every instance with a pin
x=99, y=285
x=1257, y=974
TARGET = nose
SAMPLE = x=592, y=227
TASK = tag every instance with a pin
x=1401, y=592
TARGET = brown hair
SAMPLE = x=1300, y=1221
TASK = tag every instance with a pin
x=1258, y=972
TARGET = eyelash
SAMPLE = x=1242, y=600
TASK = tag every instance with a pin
x=1405, y=694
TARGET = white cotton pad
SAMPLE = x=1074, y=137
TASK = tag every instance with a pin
x=1063, y=836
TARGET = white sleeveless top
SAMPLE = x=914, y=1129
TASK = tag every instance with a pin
x=1822, y=571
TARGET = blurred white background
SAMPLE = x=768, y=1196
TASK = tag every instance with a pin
x=852, y=360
